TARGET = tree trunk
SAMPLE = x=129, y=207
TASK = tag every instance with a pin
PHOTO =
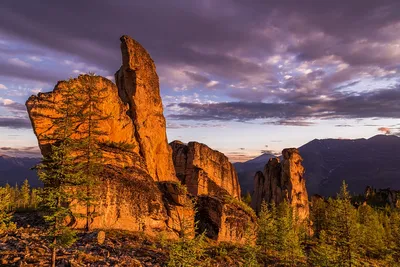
x=53, y=253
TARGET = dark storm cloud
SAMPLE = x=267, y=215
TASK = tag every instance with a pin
x=202, y=33
x=15, y=123
x=230, y=41
x=33, y=74
x=382, y=103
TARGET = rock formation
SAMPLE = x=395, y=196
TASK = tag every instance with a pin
x=138, y=86
x=204, y=171
x=282, y=181
x=133, y=142
x=139, y=190
x=382, y=197
x=210, y=176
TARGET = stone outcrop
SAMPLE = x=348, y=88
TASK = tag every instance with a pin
x=211, y=178
x=382, y=197
x=282, y=181
x=138, y=189
x=204, y=171
x=136, y=155
x=138, y=86
x=226, y=220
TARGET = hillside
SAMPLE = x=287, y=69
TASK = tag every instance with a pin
x=15, y=170
x=361, y=162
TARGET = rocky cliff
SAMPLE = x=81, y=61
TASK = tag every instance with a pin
x=132, y=141
x=204, y=171
x=282, y=181
x=138, y=86
x=138, y=189
x=211, y=178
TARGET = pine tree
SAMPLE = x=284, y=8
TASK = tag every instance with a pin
x=58, y=173
x=318, y=215
x=25, y=193
x=324, y=253
x=371, y=229
x=5, y=214
x=288, y=235
x=89, y=152
x=267, y=228
x=343, y=227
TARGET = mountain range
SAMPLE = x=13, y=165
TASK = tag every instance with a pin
x=15, y=170
x=360, y=162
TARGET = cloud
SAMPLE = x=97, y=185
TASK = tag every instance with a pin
x=296, y=59
x=385, y=130
x=292, y=123
x=31, y=151
x=18, y=62
x=15, y=123
x=12, y=105
x=2, y=87
x=269, y=151
x=373, y=104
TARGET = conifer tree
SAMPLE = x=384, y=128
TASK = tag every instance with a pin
x=25, y=193
x=288, y=235
x=58, y=173
x=5, y=214
x=324, y=253
x=267, y=227
x=89, y=153
x=343, y=227
x=371, y=229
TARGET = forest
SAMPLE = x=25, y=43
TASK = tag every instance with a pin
x=342, y=231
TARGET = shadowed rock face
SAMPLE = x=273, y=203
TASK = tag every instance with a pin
x=204, y=171
x=138, y=86
x=130, y=197
x=224, y=220
x=210, y=177
x=282, y=181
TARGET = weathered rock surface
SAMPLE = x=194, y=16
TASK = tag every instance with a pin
x=204, y=171
x=138, y=85
x=211, y=178
x=282, y=181
x=133, y=142
x=225, y=220
x=44, y=110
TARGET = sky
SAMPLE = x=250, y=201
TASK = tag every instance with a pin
x=244, y=77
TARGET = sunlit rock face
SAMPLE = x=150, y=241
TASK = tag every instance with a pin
x=138, y=86
x=204, y=171
x=282, y=181
x=130, y=195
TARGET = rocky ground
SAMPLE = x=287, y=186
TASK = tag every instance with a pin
x=29, y=246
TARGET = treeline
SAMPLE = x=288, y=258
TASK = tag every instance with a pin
x=338, y=234
x=20, y=197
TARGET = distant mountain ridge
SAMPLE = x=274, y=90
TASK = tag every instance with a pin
x=361, y=162
x=15, y=170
